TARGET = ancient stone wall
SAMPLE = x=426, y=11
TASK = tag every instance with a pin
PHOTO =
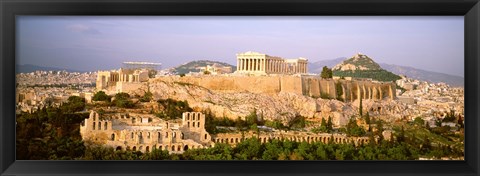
x=142, y=133
x=313, y=86
x=235, y=138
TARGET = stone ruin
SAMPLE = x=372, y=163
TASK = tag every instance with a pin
x=145, y=132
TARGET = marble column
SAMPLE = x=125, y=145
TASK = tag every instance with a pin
x=258, y=65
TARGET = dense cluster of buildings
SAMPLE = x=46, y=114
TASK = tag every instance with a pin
x=56, y=78
x=431, y=101
x=40, y=89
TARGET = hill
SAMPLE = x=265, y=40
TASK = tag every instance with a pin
x=411, y=72
x=362, y=66
x=429, y=76
x=316, y=67
x=28, y=68
x=194, y=66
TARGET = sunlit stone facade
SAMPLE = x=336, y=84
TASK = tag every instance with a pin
x=258, y=63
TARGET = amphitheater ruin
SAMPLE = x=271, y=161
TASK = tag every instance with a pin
x=145, y=132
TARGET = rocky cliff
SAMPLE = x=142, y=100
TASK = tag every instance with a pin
x=280, y=104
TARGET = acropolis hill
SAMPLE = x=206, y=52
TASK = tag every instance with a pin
x=277, y=89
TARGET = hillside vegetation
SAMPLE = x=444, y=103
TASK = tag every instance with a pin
x=362, y=66
x=194, y=66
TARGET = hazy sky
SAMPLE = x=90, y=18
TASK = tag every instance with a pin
x=98, y=43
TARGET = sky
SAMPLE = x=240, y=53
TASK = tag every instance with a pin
x=90, y=43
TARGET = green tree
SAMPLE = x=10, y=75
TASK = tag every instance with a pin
x=326, y=73
x=360, y=106
x=339, y=90
x=324, y=123
x=147, y=96
x=353, y=129
x=101, y=96
x=329, y=124
x=122, y=100
x=419, y=121
x=74, y=104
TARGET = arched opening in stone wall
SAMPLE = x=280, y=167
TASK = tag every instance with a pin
x=181, y=136
x=188, y=124
x=99, y=126
x=118, y=148
x=173, y=147
x=94, y=125
x=148, y=135
x=159, y=136
x=147, y=149
x=113, y=137
x=166, y=134
x=105, y=126
x=205, y=136
x=134, y=148
x=160, y=147
x=185, y=148
x=128, y=148
x=166, y=147
x=236, y=140
x=198, y=124
x=131, y=135
x=134, y=120
x=231, y=140
x=140, y=138
x=179, y=148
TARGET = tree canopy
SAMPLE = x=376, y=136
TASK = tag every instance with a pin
x=101, y=96
x=326, y=73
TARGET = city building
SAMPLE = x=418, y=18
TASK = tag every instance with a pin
x=120, y=80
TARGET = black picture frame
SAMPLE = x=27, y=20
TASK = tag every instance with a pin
x=470, y=9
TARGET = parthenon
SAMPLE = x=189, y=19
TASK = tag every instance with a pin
x=258, y=63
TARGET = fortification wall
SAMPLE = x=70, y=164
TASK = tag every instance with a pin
x=313, y=86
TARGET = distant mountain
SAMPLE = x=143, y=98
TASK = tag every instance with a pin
x=194, y=66
x=429, y=76
x=362, y=66
x=28, y=68
x=415, y=73
x=316, y=67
